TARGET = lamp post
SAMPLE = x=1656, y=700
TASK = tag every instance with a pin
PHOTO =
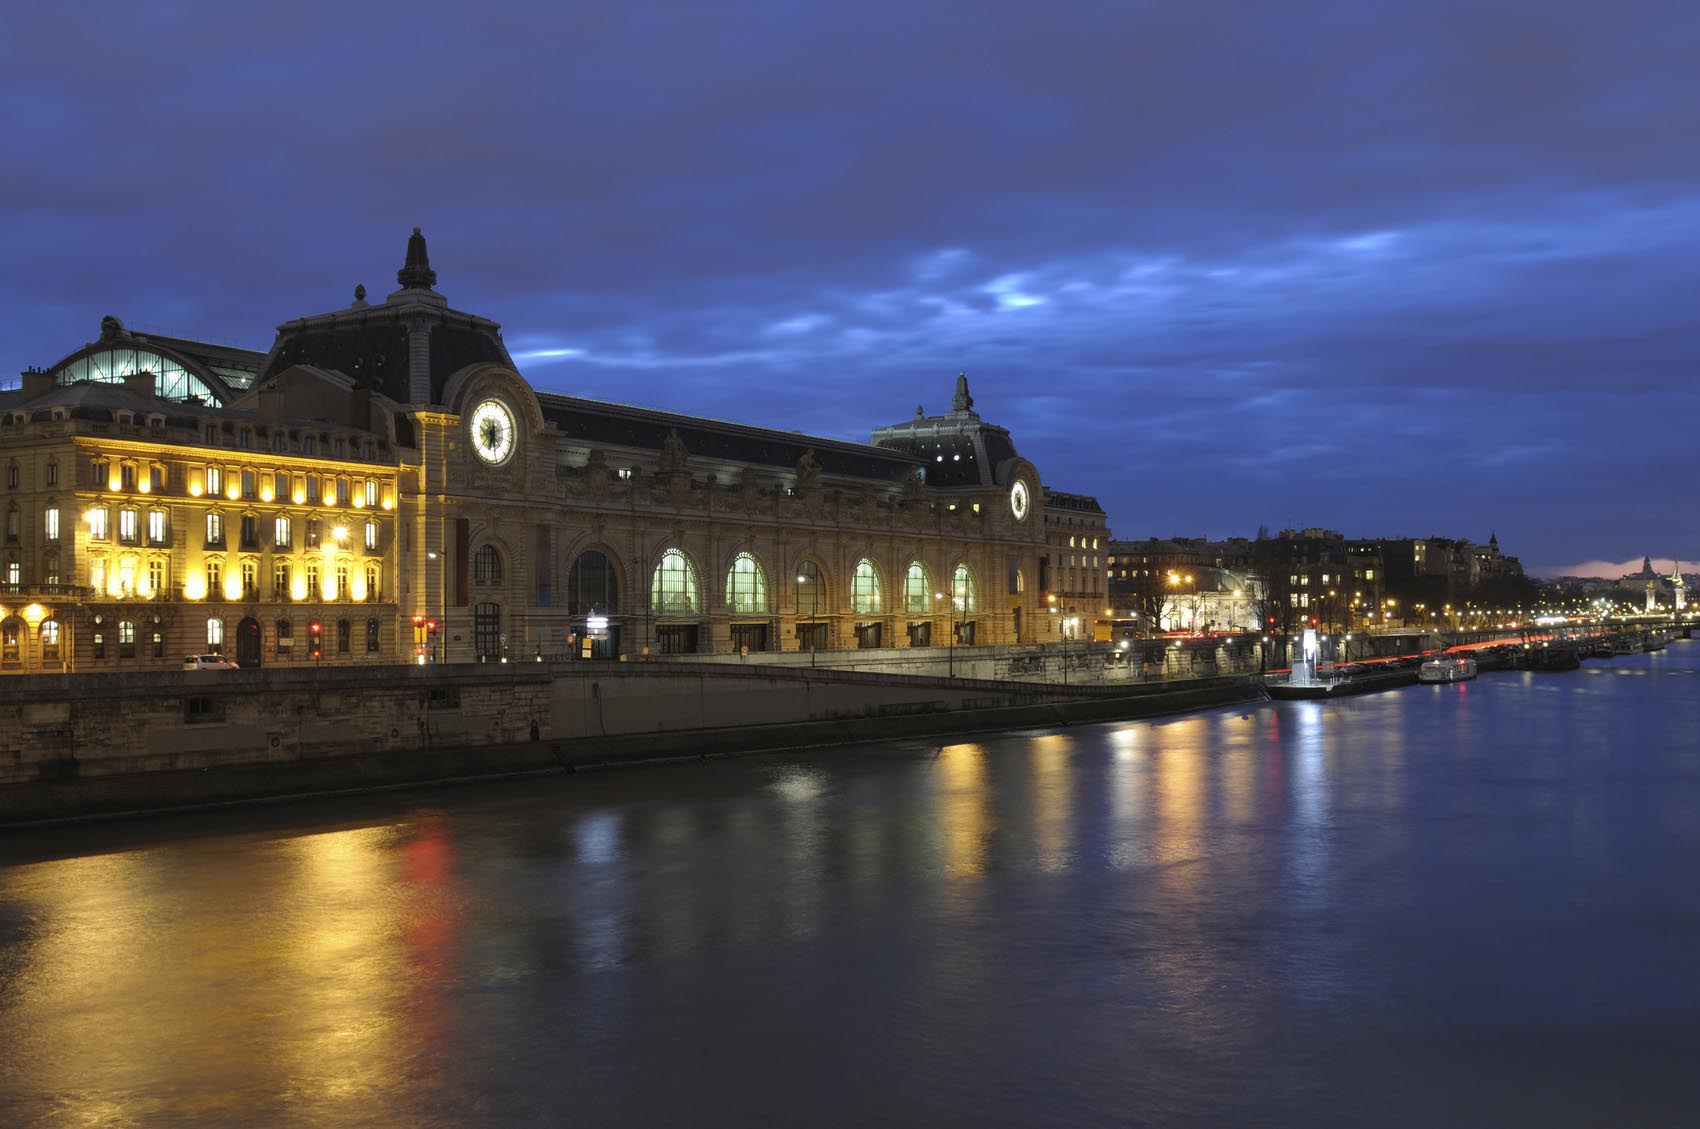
x=802, y=580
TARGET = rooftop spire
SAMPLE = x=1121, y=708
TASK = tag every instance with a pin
x=417, y=273
x=962, y=401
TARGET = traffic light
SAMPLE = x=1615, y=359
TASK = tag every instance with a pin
x=419, y=630
x=315, y=637
x=431, y=629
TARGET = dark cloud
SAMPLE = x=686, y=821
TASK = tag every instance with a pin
x=1222, y=264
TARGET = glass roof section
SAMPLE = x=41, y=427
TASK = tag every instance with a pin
x=113, y=365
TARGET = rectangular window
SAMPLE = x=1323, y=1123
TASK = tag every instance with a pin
x=245, y=439
x=341, y=447
x=250, y=580
x=215, y=480
x=250, y=532
x=313, y=580
x=342, y=582
x=97, y=573
x=372, y=591
x=127, y=575
x=156, y=575
x=312, y=489
x=306, y=444
x=53, y=474
x=97, y=523
x=126, y=640
x=50, y=522
x=371, y=636
x=342, y=492
x=12, y=477
x=14, y=572
x=277, y=440
x=250, y=483
x=371, y=492
x=312, y=534
x=280, y=533
x=215, y=580
x=212, y=434
x=280, y=581
x=371, y=535
x=127, y=476
x=156, y=527
x=156, y=478
x=280, y=486
x=99, y=643
x=129, y=526
x=159, y=644
x=215, y=530
x=215, y=634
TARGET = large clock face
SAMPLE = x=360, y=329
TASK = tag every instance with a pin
x=1018, y=500
x=493, y=432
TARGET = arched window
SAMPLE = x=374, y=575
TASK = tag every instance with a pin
x=917, y=590
x=592, y=585
x=126, y=639
x=50, y=640
x=811, y=590
x=215, y=635
x=285, y=635
x=746, y=586
x=865, y=593
x=674, y=591
x=343, y=634
x=11, y=638
x=371, y=636
x=487, y=566
x=964, y=597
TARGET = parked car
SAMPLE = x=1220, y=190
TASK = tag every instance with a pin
x=208, y=662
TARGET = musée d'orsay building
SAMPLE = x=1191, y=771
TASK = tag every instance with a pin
x=384, y=486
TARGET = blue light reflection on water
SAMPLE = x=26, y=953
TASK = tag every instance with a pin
x=1472, y=904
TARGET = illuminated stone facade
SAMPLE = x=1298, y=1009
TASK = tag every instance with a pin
x=386, y=472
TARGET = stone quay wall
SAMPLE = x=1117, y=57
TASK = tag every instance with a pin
x=72, y=744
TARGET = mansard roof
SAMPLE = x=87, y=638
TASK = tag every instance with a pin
x=406, y=347
x=600, y=423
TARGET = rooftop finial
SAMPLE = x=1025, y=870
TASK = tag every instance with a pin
x=417, y=274
x=359, y=294
x=962, y=401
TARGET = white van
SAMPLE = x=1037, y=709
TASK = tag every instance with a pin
x=208, y=662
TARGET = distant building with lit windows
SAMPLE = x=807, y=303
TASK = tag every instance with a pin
x=383, y=485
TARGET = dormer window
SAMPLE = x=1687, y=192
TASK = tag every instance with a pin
x=212, y=434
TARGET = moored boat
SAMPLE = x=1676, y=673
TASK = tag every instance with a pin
x=1448, y=668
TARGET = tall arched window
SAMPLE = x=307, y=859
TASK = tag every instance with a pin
x=917, y=590
x=11, y=638
x=865, y=594
x=215, y=635
x=674, y=591
x=746, y=586
x=964, y=596
x=811, y=590
x=592, y=585
x=487, y=565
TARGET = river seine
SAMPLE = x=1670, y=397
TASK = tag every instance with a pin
x=1439, y=906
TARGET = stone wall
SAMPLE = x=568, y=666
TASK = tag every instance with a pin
x=93, y=725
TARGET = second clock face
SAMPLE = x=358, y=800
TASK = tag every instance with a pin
x=493, y=432
x=1018, y=500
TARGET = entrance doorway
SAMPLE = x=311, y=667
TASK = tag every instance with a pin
x=248, y=642
x=487, y=631
x=676, y=638
x=751, y=635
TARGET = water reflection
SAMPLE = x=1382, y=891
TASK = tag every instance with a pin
x=1184, y=919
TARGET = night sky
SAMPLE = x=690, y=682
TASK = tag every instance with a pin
x=1387, y=268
